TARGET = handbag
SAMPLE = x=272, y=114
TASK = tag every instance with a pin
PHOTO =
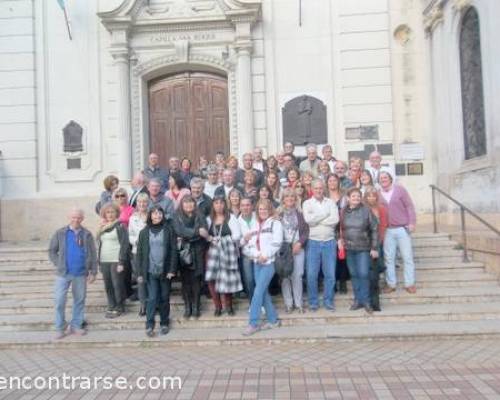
x=283, y=261
x=185, y=255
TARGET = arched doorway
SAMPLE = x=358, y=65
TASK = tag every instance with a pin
x=188, y=116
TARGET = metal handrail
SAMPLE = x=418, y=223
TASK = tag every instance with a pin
x=463, y=209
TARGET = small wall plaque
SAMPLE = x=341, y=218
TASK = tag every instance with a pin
x=411, y=151
x=415, y=168
x=362, y=132
x=385, y=149
x=74, y=163
x=400, y=169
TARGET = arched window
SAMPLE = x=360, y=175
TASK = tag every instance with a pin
x=472, y=86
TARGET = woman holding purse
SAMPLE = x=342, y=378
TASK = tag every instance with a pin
x=191, y=230
x=296, y=232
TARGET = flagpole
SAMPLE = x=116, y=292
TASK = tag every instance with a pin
x=67, y=23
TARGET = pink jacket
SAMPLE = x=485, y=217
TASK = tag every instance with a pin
x=400, y=209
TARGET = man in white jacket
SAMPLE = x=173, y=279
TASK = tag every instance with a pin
x=322, y=216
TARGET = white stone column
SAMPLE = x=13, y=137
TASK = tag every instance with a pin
x=246, y=140
x=124, y=149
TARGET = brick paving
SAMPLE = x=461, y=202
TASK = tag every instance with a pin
x=421, y=370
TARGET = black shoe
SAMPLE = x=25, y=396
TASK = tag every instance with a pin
x=150, y=332
x=142, y=311
x=230, y=311
x=356, y=306
x=187, y=312
x=196, y=312
x=376, y=308
x=164, y=330
x=343, y=287
x=133, y=297
x=218, y=312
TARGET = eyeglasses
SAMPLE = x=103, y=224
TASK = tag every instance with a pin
x=120, y=195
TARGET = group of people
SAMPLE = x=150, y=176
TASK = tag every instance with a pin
x=228, y=229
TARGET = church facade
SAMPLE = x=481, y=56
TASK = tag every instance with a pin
x=93, y=94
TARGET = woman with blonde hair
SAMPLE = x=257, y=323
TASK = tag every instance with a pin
x=267, y=242
x=113, y=245
x=296, y=232
x=120, y=197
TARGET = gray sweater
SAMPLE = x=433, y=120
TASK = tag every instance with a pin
x=57, y=251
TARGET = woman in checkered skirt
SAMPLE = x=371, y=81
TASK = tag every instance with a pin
x=223, y=275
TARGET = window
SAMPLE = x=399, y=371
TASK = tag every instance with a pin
x=471, y=75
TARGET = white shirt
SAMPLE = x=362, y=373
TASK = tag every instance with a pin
x=258, y=165
x=322, y=218
x=209, y=189
x=387, y=195
x=247, y=226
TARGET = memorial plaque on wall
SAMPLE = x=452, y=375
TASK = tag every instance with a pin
x=400, y=169
x=415, y=168
x=361, y=154
x=385, y=149
x=362, y=132
x=74, y=163
x=304, y=121
x=72, y=137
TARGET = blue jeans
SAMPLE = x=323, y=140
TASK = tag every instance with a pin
x=247, y=275
x=263, y=273
x=398, y=238
x=79, y=290
x=359, y=263
x=324, y=255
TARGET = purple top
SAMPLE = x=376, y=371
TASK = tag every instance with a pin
x=400, y=209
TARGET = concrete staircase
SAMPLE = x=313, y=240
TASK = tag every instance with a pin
x=454, y=300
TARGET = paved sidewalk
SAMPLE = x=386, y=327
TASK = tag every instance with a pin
x=420, y=370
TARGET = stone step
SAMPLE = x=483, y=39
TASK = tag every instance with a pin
x=47, y=269
x=390, y=314
x=489, y=329
x=445, y=278
x=429, y=296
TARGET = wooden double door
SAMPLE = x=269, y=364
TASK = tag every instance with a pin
x=188, y=116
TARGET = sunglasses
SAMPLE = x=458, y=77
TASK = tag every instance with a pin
x=120, y=195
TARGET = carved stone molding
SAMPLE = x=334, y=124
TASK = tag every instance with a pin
x=460, y=5
x=433, y=17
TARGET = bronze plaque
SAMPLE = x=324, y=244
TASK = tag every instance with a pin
x=304, y=121
x=415, y=168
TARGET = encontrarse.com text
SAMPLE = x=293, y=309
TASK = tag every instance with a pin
x=68, y=382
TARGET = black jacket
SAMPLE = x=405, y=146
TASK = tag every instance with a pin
x=358, y=228
x=204, y=205
x=170, y=241
x=189, y=232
